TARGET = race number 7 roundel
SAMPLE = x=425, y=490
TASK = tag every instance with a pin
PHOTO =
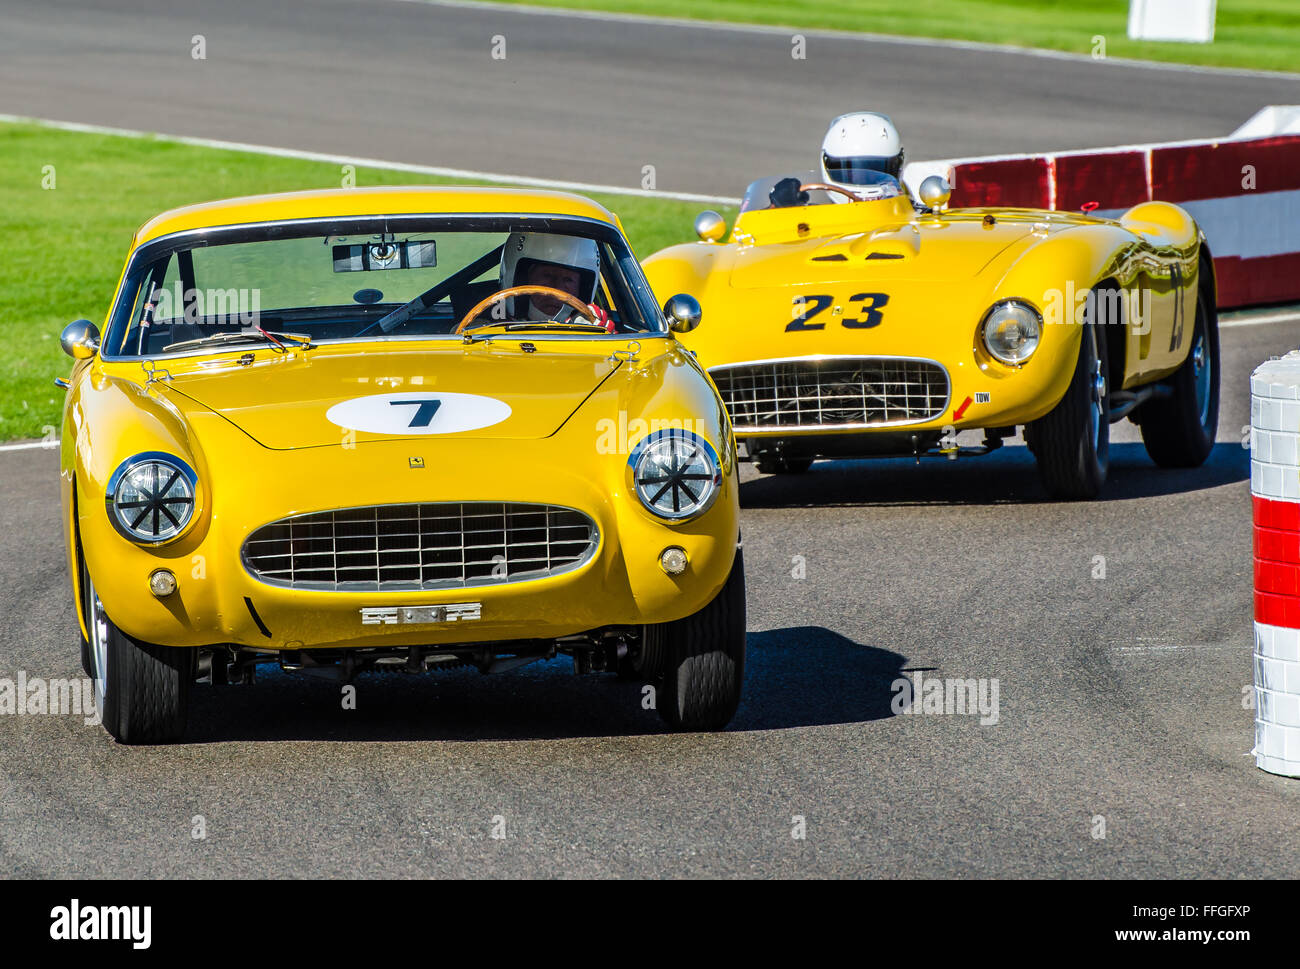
x=418, y=412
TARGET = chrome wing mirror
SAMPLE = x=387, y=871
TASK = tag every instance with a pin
x=683, y=313
x=80, y=339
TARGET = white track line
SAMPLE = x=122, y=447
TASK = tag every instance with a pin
x=832, y=34
x=31, y=446
x=1154, y=649
x=372, y=162
x=1290, y=316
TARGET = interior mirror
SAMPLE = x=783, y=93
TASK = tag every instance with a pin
x=683, y=313
x=80, y=339
x=710, y=226
x=414, y=254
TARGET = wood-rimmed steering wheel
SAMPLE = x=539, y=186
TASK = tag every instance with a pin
x=824, y=187
x=502, y=294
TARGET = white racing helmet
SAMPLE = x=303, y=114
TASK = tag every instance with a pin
x=523, y=249
x=859, y=149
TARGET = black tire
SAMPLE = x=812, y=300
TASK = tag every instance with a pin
x=1072, y=441
x=143, y=692
x=87, y=661
x=771, y=464
x=704, y=661
x=1179, y=431
x=86, y=664
x=647, y=664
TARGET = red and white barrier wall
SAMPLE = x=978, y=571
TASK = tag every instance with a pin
x=1244, y=191
x=1275, y=493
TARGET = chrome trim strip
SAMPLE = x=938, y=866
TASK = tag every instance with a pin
x=750, y=430
x=233, y=227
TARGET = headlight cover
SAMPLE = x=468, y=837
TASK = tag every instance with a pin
x=150, y=497
x=1011, y=331
x=675, y=474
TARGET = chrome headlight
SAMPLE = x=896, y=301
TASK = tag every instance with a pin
x=675, y=474
x=151, y=497
x=1011, y=331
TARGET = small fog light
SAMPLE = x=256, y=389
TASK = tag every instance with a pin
x=673, y=560
x=162, y=583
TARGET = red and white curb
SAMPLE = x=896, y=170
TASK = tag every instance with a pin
x=1275, y=495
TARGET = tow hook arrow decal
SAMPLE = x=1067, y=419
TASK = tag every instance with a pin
x=956, y=415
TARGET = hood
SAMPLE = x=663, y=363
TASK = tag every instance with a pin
x=345, y=395
x=955, y=247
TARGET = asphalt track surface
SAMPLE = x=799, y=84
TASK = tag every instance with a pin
x=1120, y=698
x=573, y=99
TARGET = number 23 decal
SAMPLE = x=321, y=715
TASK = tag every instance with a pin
x=815, y=305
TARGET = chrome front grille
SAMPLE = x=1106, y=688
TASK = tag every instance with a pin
x=832, y=392
x=413, y=547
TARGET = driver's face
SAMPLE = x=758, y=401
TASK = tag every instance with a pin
x=557, y=277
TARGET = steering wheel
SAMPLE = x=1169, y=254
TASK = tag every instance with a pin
x=822, y=186
x=502, y=294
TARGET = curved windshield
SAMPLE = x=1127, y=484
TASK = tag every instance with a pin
x=764, y=193
x=376, y=279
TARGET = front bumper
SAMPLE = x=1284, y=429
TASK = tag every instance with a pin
x=961, y=391
x=217, y=600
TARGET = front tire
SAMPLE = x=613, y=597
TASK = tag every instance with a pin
x=141, y=690
x=704, y=659
x=1072, y=441
x=86, y=665
x=1179, y=431
x=87, y=662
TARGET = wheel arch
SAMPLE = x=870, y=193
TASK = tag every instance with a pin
x=74, y=559
x=1207, y=278
x=1116, y=349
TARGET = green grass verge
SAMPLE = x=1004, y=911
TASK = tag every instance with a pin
x=64, y=247
x=1258, y=34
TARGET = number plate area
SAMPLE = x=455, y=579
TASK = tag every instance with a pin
x=421, y=615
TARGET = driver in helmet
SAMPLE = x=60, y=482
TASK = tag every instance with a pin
x=861, y=153
x=567, y=263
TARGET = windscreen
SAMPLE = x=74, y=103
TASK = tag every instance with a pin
x=372, y=279
x=759, y=195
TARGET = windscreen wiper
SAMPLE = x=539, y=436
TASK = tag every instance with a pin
x=264, y=336
x=557, y=325
x=489, y=330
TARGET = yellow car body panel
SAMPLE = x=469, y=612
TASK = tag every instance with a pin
x=883, y=279
x=250, y=422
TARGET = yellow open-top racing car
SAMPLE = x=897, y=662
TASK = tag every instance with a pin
x=396, y=429
x=884, y=326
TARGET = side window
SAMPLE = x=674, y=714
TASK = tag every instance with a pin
x=628, y=296
x=159, y=285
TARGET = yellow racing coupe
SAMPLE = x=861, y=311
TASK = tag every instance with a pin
x=882, y=327
x=395, y=429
